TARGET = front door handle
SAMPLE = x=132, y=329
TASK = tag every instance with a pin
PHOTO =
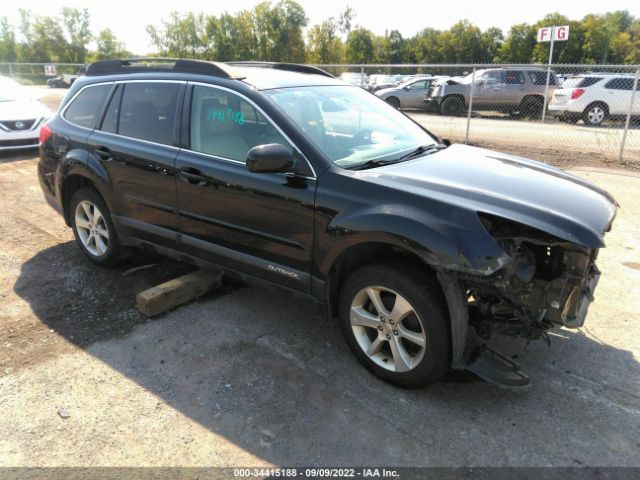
x=104, y=153
x=192, y=176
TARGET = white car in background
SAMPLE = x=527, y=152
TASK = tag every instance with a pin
x=594, y=97
x=20, y=116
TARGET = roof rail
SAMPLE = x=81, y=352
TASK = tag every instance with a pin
x=289, y=67
x=159, y=64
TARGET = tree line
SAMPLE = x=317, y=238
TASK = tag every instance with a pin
x=280, y=32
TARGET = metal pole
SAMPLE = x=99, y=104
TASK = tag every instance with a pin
x=546, y=84
x=473, y=87
x=362, y=76
x=629, y=111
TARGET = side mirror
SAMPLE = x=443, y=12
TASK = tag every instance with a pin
x=270, y=158
x=407, y=87
x=446, y=141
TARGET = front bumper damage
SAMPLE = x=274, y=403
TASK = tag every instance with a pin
x=525, y=299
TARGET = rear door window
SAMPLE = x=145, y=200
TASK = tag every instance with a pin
x=148, y=111
x=85, y=108
x=514, y=77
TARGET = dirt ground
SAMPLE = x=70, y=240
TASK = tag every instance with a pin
x=253, y=376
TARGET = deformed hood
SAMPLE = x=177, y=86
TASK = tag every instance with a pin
x=515, y=188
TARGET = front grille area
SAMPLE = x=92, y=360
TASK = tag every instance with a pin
x=19, y=125
x=24, y=142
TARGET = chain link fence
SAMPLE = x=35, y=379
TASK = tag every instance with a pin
x=39, y=73
x=562, y=113
x=566, y=113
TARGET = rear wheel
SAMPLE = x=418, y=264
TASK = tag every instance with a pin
x=595, y=114
x=452, y=106
x=531, y=108
x=394, y=102
x=395, y=321
x=93, y=229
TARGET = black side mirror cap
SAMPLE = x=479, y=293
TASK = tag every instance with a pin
x=270, y=158
x=446, y=141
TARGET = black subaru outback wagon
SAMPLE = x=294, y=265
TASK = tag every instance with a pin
x=280, y=172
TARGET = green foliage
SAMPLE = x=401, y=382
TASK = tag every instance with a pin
x=324, y=45
x=108, y=47
x=279, y=31
x=359, y=46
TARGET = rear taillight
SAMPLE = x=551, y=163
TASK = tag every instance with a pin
x=45, y=133
x=577, y=93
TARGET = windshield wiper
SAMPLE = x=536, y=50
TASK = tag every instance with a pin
x=372, y=163
x=421, y=150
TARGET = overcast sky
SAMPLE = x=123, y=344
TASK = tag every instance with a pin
x=128, y=18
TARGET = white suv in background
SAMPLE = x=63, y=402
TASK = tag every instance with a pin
x=594, y=97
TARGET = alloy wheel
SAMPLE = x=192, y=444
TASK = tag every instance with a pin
x=596, y=115
x=387, y=329
x=92, y=228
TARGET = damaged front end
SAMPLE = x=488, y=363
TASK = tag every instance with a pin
x=546, y=282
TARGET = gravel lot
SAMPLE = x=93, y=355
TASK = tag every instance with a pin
x=253, y=376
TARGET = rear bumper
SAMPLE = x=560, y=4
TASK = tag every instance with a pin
x=555, y=111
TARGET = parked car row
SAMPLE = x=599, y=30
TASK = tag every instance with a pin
x=518, y=91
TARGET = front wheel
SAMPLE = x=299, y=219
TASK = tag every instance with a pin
x=395, y=321
x=452, y=106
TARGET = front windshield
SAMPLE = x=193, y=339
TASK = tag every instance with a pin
x=10, y=90
x=349, y=125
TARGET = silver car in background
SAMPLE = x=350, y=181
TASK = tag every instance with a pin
x=409, y=95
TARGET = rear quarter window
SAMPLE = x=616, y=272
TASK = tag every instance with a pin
x=86, y=106
x=620, y=84
x=580, y=82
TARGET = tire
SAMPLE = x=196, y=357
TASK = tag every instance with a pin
x=452, y=106
x=411, y=347
x=531, y=108
x=394, y=102
x=595, y=114
x=93, y=229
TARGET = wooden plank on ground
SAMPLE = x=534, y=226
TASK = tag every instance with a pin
x=173, y=293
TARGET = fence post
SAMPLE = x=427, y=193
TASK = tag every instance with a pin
x=10, y=71
x=473, y=87
x=362, y=76
x=629, y=112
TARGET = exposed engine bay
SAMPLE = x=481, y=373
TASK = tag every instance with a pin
x=546, y=282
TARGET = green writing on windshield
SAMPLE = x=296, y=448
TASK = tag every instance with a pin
x=228, y=115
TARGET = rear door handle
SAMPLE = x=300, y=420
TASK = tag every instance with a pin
x=192, y=176
x=104, y=153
